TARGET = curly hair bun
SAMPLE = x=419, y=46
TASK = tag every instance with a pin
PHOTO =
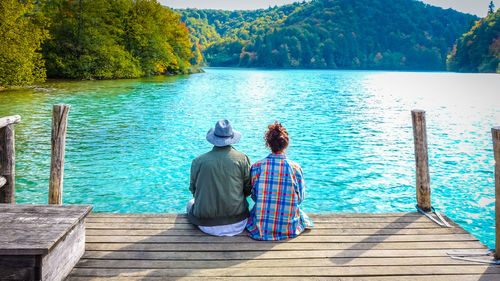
x=276, y=137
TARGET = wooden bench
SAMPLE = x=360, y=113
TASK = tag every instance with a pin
x=41, y=242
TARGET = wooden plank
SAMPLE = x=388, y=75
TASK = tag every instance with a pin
x=32, y=226
x=291, y=271
x=43, y=211
x=273, y=246
x=44, y=214
x=60, y=114
x=160, y=220
x=484, y=277
x=394, y=225
x=339, y=262
x=30, y=231
x=25, y=213
x=268, y=254
x=59, y=262
x=312, y=232
x=19, y=219
x=300, y=239
x=311, y=215
x=9, y=120
x=8, y=163
x=41, y=208
x=21, y=249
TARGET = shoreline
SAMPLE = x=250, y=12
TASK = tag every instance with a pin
x=190, y=70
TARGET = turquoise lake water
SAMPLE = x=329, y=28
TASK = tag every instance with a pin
x=130, y=142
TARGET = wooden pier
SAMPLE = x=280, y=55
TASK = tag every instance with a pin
x=350, y=247
x=397, y=246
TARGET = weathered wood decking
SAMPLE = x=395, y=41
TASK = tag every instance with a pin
x=402, y=246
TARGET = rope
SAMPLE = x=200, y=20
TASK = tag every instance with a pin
x=442, y=222
x=474, y=256
x=461, y=255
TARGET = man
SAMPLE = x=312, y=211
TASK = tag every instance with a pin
x=220, y=183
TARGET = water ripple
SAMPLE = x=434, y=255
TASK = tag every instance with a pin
x=130, y=142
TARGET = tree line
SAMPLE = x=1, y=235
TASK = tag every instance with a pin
x=478, y=50
x=90, y=39
x=362, y=34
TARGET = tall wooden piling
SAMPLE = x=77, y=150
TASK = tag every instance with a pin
x=59, y=124
x=7, y=159
x=495, y=132
x=423, y=183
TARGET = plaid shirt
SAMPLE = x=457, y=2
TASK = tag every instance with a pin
x=278, y=189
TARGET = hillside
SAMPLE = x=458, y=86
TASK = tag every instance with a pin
x=362, y=34
x=479, y=49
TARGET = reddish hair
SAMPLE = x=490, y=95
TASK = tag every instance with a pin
x=276, y=137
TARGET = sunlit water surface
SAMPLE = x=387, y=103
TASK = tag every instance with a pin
x=130, y=142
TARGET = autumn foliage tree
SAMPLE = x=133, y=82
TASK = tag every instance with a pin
x=478, y=50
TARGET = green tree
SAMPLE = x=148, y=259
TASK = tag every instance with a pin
x=491, y=8
x=21, y=33
x=109, y=39
x=86, y=40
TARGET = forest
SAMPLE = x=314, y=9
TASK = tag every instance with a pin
x=479, y=49
x=98, y=39
x=362, y=34
x=111, y=39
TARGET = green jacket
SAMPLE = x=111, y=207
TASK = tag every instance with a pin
x=220, y=183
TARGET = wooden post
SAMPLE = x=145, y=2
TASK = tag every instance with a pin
x=59, y=124
x=7, y=159
x=495, y=132
x=421, y=160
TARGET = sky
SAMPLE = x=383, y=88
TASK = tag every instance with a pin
x=476, y=7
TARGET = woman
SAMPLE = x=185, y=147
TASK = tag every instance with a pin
x=278, y=189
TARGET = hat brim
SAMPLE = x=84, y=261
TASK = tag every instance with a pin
x=218, y=141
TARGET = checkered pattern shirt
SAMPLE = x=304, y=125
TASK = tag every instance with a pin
x=277, y=189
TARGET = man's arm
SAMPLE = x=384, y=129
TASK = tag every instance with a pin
x=247, y=181
x=193, y=177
